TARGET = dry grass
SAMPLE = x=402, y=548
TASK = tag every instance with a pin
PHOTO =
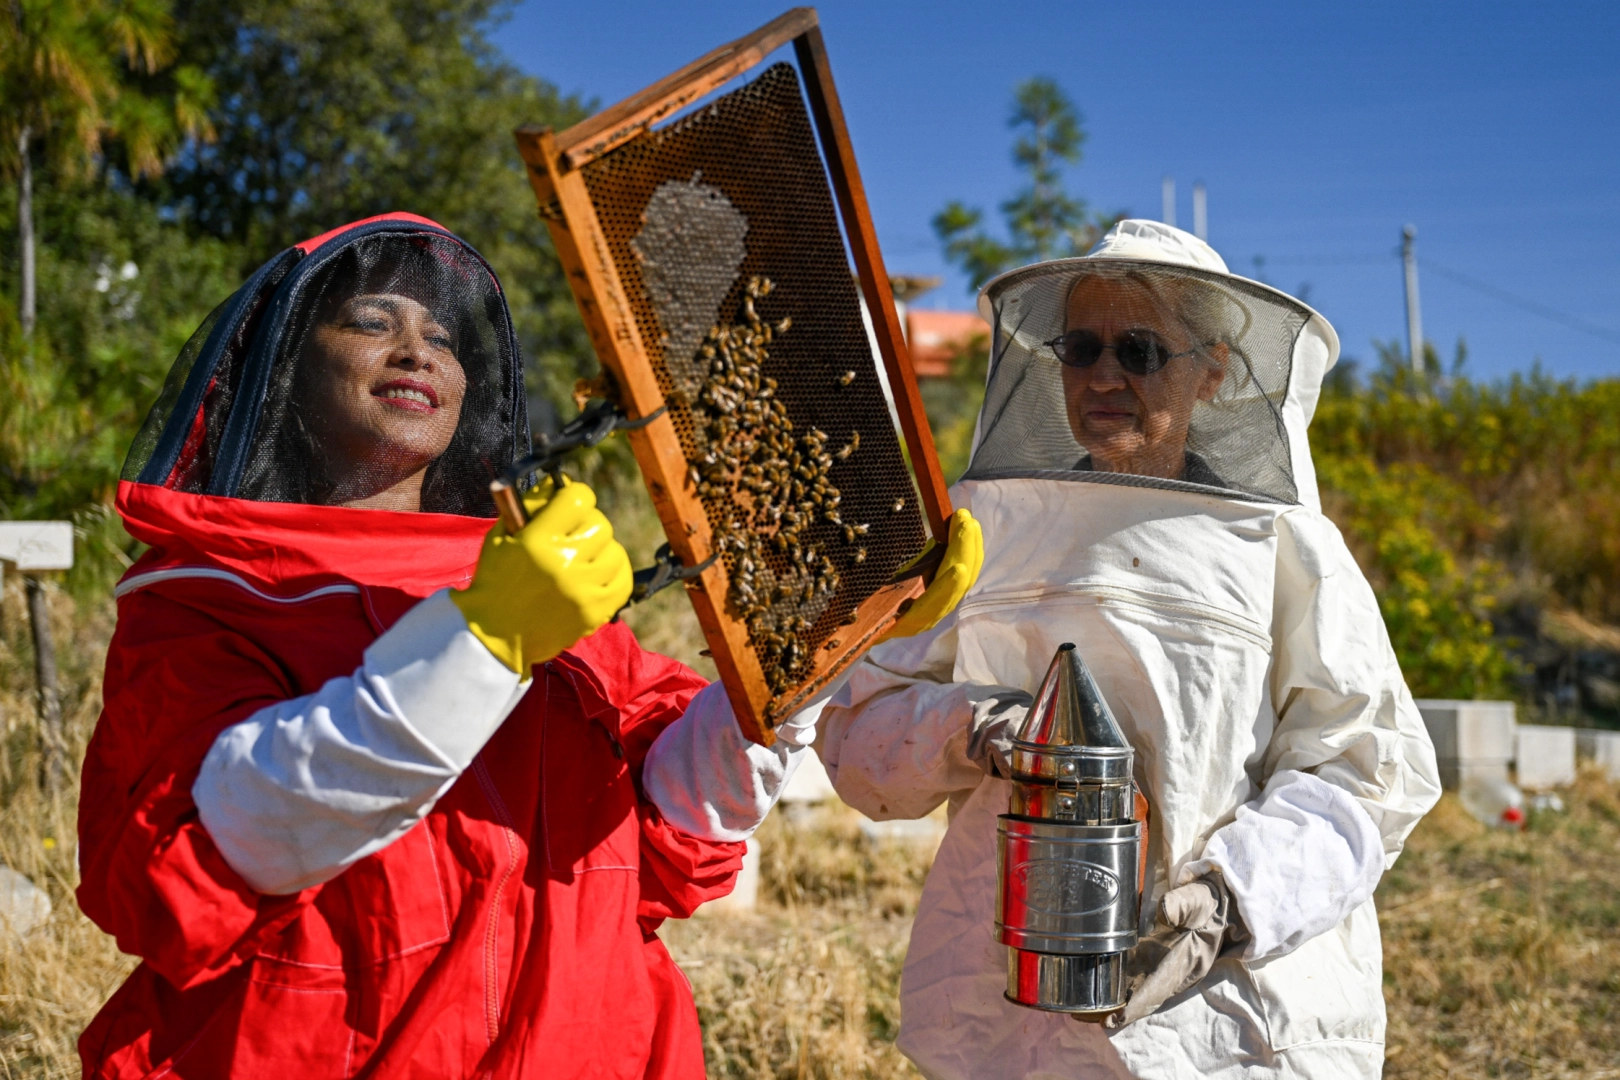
x=807, y=985
x=666, y=623
x=1502, y=949
x=52, y=983
x=1502, y=952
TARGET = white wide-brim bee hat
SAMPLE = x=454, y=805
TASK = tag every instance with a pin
x=1248, y=440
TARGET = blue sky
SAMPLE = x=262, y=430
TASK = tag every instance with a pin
x=1318, y=129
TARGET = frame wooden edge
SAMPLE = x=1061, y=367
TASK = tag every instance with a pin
x=529, y=138
x=851, y=193
x=591, y=138
x=875, y=615
x=582, y=248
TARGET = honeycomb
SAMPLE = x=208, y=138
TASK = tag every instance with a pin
x=723, y=230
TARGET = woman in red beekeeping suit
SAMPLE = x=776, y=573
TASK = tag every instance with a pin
x=375, y=790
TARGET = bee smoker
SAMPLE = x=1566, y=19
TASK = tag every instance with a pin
x=1069, y=850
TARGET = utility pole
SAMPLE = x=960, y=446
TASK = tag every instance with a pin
x=1168, y=191
x=1414, y=312
x=1200, y=212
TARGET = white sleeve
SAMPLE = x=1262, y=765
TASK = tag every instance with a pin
x=896, y=738
x=302, y=789
x=1297, y=861
x=709, y=781
x=1350, y=769
x=1344, y=712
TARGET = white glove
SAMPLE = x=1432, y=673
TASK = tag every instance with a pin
x=1195, y=923
x=996, y=718
x=709, y=781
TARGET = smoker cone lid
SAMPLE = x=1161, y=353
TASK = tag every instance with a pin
x=1071, y=721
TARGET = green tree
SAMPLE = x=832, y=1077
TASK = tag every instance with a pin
x=68, y=71
x=1043, y=221
x=332, y=111
x=324, y=112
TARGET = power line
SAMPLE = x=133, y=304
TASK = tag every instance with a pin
x=1563, y=318
x=1329, y=260
x=1502, y=295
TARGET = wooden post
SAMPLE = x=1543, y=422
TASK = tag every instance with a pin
x=33, y=546
x=52, y=765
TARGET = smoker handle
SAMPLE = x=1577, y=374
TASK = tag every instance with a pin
x=596, y=422
x=1143, y=814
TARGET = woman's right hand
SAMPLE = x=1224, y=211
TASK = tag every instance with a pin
x=560, y=578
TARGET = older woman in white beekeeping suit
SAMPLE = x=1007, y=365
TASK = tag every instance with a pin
x=1145, y=489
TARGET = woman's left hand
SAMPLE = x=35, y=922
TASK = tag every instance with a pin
x=1196, y=921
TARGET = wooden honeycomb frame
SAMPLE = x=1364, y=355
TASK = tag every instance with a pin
x=555, y=167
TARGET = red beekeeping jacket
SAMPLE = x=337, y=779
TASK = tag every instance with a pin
x=509, y=934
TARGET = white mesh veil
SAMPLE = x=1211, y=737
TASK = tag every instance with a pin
x=1180, y=375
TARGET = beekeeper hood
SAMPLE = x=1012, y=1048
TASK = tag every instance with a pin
x=1147, y=362
x=376, y=354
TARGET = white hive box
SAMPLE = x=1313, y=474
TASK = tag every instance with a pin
x=1546, y=756
x=1472, y=739
x=1603, y=747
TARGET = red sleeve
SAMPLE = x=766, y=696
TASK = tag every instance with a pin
x=679, y=871
x=150, y=874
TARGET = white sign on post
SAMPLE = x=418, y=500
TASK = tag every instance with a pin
x=37, y=545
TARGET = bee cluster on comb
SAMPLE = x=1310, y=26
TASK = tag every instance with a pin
x=765, y=487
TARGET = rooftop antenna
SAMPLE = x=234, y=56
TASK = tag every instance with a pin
x=1414, y=312
x=1169, y=193
x=1200, y=212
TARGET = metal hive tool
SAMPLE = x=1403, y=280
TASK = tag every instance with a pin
x=707, y=259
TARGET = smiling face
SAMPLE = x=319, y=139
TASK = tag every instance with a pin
x=1136, y=423
x=384, y=392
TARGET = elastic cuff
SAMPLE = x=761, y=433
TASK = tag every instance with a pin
x=707, y=780
x=430, y=670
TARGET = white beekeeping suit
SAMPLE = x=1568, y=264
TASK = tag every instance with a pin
x=1146, y=491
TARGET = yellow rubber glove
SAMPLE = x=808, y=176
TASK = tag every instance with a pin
x=560, y=578
x=964, y=557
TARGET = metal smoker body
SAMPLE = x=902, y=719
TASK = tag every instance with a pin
x=1069, y=850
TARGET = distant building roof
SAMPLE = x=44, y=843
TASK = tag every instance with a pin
x=935, y=337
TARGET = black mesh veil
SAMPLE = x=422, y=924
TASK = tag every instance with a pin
x=1177, y=376
x=386, y=349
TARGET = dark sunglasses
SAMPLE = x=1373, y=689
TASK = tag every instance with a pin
x=1139, y=352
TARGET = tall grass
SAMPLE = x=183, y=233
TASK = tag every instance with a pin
x=1502, y=949
x=52, y=982
x=808, y=985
